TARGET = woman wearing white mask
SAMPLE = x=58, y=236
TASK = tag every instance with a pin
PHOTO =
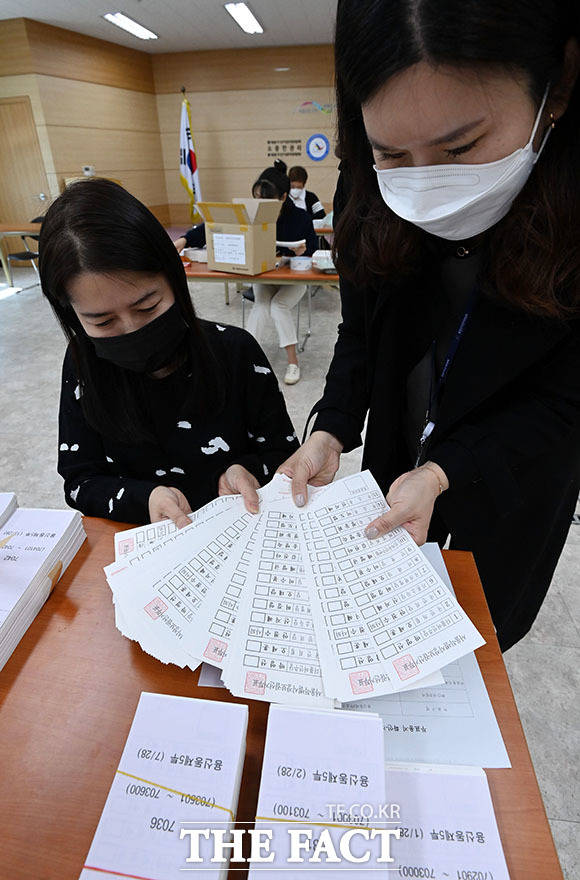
x=302, y=197
x=456, y=217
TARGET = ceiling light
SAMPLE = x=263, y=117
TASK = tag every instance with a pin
x=123, y=21
x=245, y=18
x=281, y=69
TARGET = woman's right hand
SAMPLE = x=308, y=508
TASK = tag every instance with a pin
x=316, y=462
x=165, y=502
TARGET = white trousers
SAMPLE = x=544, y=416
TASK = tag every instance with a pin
x=276, y=301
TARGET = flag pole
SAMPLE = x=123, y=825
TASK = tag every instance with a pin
x=188, y=170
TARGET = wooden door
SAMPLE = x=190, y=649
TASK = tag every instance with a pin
x=23, y=183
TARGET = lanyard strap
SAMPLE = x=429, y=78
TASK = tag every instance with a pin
x=437, y=387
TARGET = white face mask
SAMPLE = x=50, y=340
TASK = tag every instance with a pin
x=297, y=192
x=459, y=201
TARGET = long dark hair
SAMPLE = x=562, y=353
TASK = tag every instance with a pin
x=273, y=183
x=97, y=226
x=534, y=252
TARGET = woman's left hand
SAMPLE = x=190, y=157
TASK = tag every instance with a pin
x=411, y=499
x=238, y=481
x=301, y=249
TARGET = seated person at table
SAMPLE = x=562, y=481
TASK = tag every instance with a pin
x=274, y=300
x=193, y=238
x=301, y=196
x=160, y=412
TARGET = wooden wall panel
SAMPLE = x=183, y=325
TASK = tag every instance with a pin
x=226, y=69
x=179, y=214
x=75, y=147
x=59, y=52
x=69, y=102
x=250, y=108
x=163, y=213
x=147, y=186
x=247, y=149
x=114, y=129
x=24, y=84
x=93, y=103
x=15, y=55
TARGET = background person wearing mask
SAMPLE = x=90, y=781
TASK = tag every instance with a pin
x=456, y=218
x=159, y=412
x=276, y=301
x=302, y=197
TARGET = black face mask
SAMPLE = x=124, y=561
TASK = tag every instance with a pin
x=147, y=349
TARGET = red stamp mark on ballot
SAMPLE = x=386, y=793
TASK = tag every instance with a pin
x=215, y=650
x=155, y=608
x=126, y=545
x=405, y=667
x=255, y=683
x=360, y=682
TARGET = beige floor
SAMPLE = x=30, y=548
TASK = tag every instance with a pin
x=544, y=667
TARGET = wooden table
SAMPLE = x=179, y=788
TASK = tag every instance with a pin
x=12, y=229
x=284, y=275
x=69, y=693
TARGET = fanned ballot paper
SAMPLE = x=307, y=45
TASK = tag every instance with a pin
x=382, y=614
x=450, y=722
x=180, y=768
x=136, y=544
x=296, y=606
x=178, y=586
x=323, y=781
x=274, y=655
x=447, y=822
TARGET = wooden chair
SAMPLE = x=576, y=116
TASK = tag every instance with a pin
x=29, y=255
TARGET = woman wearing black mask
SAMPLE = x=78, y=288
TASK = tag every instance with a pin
x=456, y=237
x=159, y=411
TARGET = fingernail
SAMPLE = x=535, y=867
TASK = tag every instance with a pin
x=254, y=508
x=300, y=501
x=372, y=532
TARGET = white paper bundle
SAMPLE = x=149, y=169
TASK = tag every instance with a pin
x=181, y=768
x=37, y=546
x=322, y=779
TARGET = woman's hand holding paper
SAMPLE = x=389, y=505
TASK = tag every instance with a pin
x=238, y=481
x=411, y=498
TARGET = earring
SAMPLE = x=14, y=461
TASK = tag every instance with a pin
x=552, y=121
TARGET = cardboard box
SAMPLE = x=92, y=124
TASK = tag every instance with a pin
x=241, y=234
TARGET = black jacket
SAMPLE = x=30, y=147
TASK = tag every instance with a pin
x=105, y=477
x=295, y=224
x=314, y=206
x=507, y=432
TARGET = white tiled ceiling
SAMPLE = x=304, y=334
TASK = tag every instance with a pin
x=185, y=25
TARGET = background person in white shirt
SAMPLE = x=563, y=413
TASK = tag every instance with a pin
x=274, y=302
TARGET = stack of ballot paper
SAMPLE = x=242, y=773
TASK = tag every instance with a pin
x=447, y=823
x=328, y=803
x=322, y=777
x=36, y=547
x=294, y=605
x=180, y=769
